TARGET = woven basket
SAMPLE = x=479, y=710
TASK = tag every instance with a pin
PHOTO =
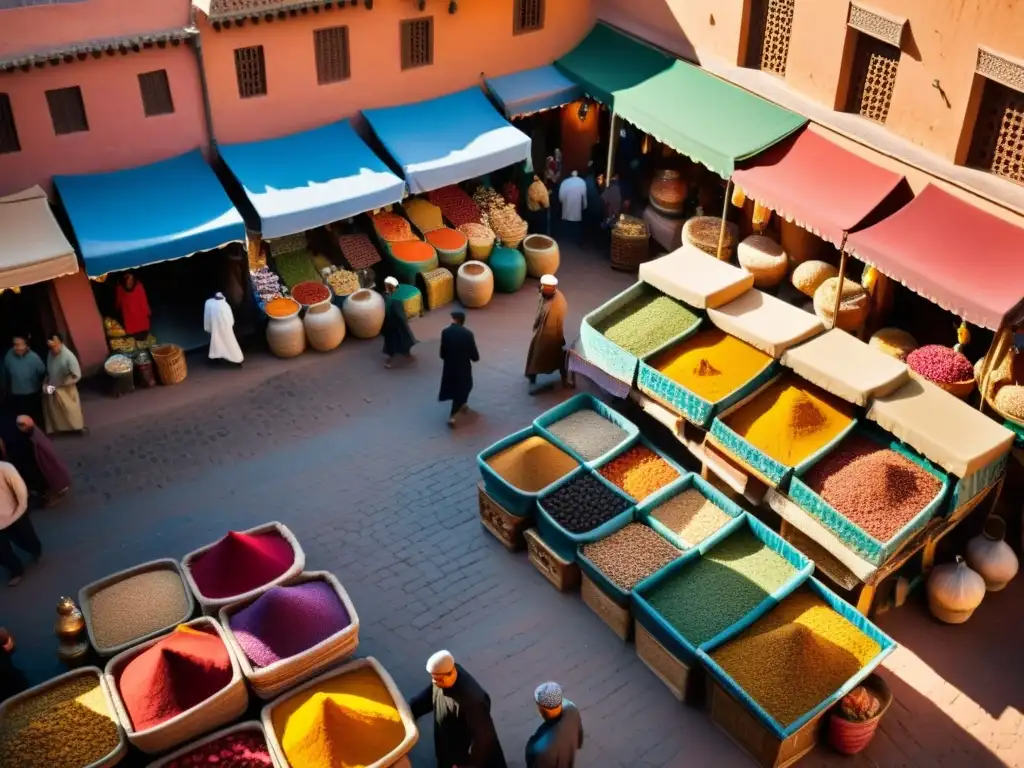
x=479, y=248
x=170, y=363
x=630, y=251
x=211, y=605
x=853, y=309
x=703, y=232
x=268, y=682
x=449, y=258
x=224, y=706
x=475, y=284
x=542, y=255
x=118, y=753
x=438, y=287
x=253, y=726
x=764, y=259
x=393, y=758
x=85, y=598
x=961, y=389
x=364, y=313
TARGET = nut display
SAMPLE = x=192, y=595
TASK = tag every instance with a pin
x=630, y=226
x=583, y=504
x=631, y=554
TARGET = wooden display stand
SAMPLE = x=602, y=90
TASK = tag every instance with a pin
x=563, y=574
x=610, y=612
x=506, y=527
x=670, y=670
x=755, y=739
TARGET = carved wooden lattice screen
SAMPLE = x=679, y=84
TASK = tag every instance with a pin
x=873, y=78
x=529, y=15
x=998, y=142
x=771, y=26
x=417, y=43
x=156, y=93
x=67, y=110
x=332, y=63
x=251, y=71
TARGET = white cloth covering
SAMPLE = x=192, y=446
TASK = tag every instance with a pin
x=219, y=322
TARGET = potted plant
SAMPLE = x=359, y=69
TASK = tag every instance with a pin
x=855, y=719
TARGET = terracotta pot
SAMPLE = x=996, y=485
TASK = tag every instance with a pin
x=475, y=284
x=848, y=737
x=668, y=192
x=286, y=336
x=325, y=327
x=991, y=556
x=954, y=592
x=542, y=256
x=364, y=313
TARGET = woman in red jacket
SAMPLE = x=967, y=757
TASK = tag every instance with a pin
x=131, y=302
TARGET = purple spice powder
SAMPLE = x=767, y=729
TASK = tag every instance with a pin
x=286, y=621
x=941, y=364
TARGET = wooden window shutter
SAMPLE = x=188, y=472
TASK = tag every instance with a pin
x=251, y=72
x=332, y=58
x=156, y=93
x=417, y=42
x=67, y=110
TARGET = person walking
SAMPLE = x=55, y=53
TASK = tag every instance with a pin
x=538, y=207
x=48, y=466
x=62, y=408
x=398, y=338
x=560, y=736
x=12, y=679
x=592, y=218
x=219, y=322
x=547, y=347
x=572, y=195
x=458, y=351
x=464, y=733
x=25, y=372
x=15, y=526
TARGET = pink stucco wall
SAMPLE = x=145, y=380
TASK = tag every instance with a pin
x=478, y=38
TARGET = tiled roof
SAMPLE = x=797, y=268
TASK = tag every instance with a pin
x=96, y=48
x=227, y=10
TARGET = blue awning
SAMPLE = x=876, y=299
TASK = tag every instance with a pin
x=533, y=90
x=449, y=139
x=308, y=179
x=138, y=216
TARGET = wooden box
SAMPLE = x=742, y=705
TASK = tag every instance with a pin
x=506, y=527
x=563, y=574
x=670, y=670
x=753, y=737
x=614, y=615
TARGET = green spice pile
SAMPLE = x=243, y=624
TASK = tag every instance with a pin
x=296, y=267
x=68, y=726
x=646, y=323
x=690, y=516
x=721, y=587
x=136, y=606
x=630, y=555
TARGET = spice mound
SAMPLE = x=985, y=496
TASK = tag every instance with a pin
x=414, y=251
x=347, y=721
x=67, y=726
x=296, y=267
x=246, y=749
x=445, y=239
x=173, y=675
x=285, y=621
x=136, y=606
x=358, y=251
x=720, y=588
x=797, y=655
x=588, y=433
x=639, y=472
x=941, y=364
x=690, y=516
x=872, y=486
x=241, y=562
x=789, y=421
x=532, y=464
x=425, y=215
x=457, y=206
x=630, y=555
x=281, y=307
x=392, y=227
x=583, y=504
x=646, y=323
x=712, y=364
x=309, y=293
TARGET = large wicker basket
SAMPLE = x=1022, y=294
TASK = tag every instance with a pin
x=630, y=251
x=85, y=600
x=117, y=754
x=249, y=726
x=277, y=678
x=542, y=255
x=170, y=363
x=704, y=231
x=224, y=706
x=475, y=284
x=211, y=605
x=438, y=287
x=393, y=758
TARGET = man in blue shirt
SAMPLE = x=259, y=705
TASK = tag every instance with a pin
x=560, y=736
x=25, y=372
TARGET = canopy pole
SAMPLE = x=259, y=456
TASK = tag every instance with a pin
x=842, y=277
x=613, y=142
x=725, y=212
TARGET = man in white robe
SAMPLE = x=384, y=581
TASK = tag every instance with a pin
x=219, y=322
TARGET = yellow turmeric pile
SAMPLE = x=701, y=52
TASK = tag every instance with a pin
x=711, y=364
x=347, y=722
x=532, y=464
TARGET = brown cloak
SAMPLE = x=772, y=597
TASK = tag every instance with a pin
x=547, y=348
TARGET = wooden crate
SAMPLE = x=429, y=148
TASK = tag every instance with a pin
x=766, y=749
x=506, y=527
x=563, y=574
x=611, y=613
x=670, y=670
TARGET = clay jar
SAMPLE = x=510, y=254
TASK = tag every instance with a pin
x=286, y=335
x=325, y=327
x=954, y=592
x=364, y=313
x=991, y=556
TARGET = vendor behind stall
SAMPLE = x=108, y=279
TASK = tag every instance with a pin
x=131, y=302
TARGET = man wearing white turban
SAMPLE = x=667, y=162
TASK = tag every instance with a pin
x=560, y=736
x=547, y=347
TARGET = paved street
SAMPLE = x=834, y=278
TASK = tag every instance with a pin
x=358, y=462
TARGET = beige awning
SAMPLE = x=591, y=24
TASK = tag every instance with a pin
x=32, y=247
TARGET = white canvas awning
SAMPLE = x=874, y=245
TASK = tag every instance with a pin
x=32, y=247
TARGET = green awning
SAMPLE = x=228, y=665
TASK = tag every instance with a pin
x=694, y=112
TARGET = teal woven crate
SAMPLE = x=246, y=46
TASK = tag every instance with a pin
x=852, y=535
x=514, y=500
x=967, y=488
x=578, y=403
x=841, y=607
x=681, y=647
x=606, y=354
x=561, y=541
x=691, y=480
x=641, y=440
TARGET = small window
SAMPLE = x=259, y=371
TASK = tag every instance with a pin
x=251, y=72
x=418, y=42
x=529, y=16
x=872, y=78
x=8, y=130
x=997, y=145
x=67, y=110
x=156, y=93
x=331, y=54
x=771, y=27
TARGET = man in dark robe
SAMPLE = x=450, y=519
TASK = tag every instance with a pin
x=560, y=736
x=464, y=734
x=47, y=465
x=398, y=338
x=458, y=351
x=547, y=347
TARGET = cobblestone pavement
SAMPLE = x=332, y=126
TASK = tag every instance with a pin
x=357, y=461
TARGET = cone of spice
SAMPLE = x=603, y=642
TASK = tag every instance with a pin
x=240, y=563
x=242, y=749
